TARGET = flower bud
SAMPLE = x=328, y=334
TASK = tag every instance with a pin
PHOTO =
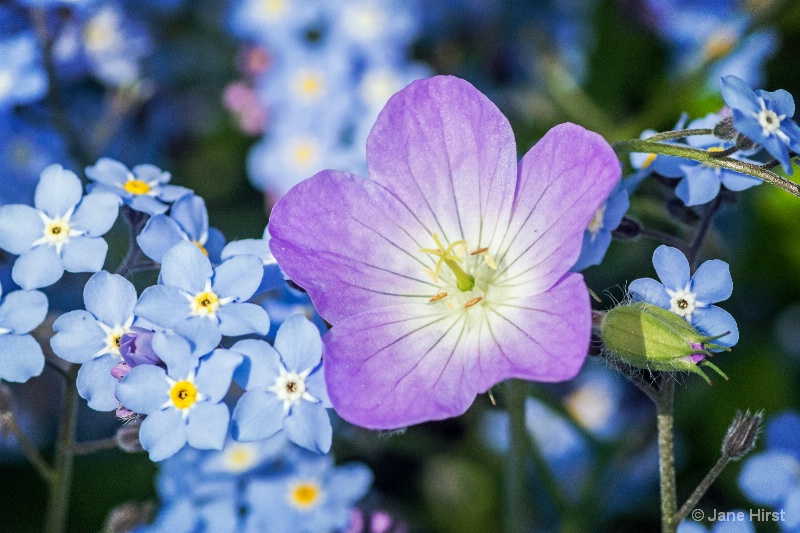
x=647, y=336
x=128, y=517
x=128, y=438
x=136, y=347
x=627, y=229
x=740, y=439
x=725, y=130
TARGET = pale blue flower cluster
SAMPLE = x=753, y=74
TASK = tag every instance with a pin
x=332, y=66
x=268, y=486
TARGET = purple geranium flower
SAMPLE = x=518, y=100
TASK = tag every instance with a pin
x=446, y=272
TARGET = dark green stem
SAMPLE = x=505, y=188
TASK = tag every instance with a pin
x=702, y=231
x=701, y=489
x=663, y=238
x=666, y=452
x=678, y=134
x=708, y=158
x=94, y=446
x=60, y=484
x=136, y=221
x=515, y=512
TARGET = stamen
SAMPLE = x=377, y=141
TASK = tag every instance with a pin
x=472, y=302
x=438, y=297
x=487, y=257
x=479, y=251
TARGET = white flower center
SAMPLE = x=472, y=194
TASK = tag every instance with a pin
x=683, y=303
x=309, y=85
x=304, y=153
x=57, y=231
x=591, y=407
x=377, y=86
x=290, y=388
x=206, y=302
x=305, y=495
x=461, y=274
x=364, y=22
x=770, y=122
x=101, y=32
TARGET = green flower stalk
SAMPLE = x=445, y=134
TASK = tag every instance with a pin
x=646, y=336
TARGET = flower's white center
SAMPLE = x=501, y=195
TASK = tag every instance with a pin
x=770, y=122
x=240, y=457
x=597, y=221
x=305, y=495
x=377, y=86
x=683, y=303
x=4, y=331
x=290, y=388
x=6, y=82
x=183, y=395
x=465, y=281
x=113, y=337
x=309, y=84
x=57, y=231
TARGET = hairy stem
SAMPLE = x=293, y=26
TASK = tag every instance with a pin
x=701, y=489
x=94, y=446
x=136, y=222
x=666, y=453
x=708, y=158
x=60, y=484
x=678, y=134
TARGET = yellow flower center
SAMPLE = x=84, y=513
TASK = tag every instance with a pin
x=649, y=160
x=240, y=456
x=205, y=303
x=57, y=231
x=135, y=186
x=183, y=394
x=305, y=495
x=719, y=45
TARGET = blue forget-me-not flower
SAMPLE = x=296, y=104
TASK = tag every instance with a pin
x=690, y=297
x=61, y=232
x=285, y=388
x=93, y=337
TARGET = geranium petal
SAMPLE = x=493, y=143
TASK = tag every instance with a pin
x=449, y=154
x=563, y=180
x=392, y=367
x=350, y=244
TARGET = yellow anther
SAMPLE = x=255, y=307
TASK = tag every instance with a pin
x=137, y=187
x=438, y=297
x=446, y=256
x=479, y=251
x=714, y=149
x=183, y=394
x=649, y=160
x=472, y=302
x=490, y=262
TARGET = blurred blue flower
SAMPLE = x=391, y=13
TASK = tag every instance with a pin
x=764, y=117
x=61, y=233
x=192, y=290
x=144, y=189
x=274, y=22
x=597, y=237
x=22, y=76
x=21, y=357
x=721, y=526
x=690, y=297
x=25, y=150
x=701, y=182
x=182, y=404
x=646, y=164
x=187, y=221
x=772, y=477
x=313, y=497
x=93, y=337
x=285, y=388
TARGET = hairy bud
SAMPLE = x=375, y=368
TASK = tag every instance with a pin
x=647, y=336
x=725, y=130
x=128, y=438
x=740, y=439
